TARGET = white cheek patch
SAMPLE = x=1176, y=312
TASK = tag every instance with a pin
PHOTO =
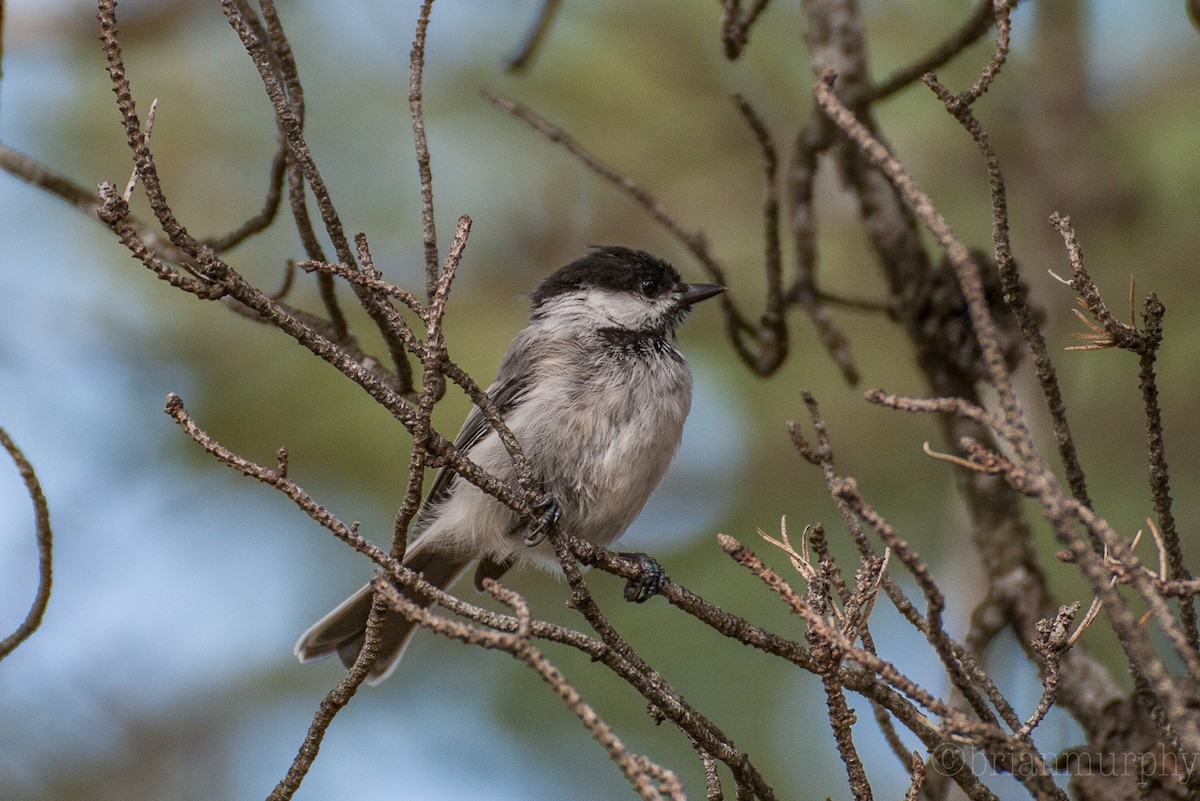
x=619, y=309
x=592, y=309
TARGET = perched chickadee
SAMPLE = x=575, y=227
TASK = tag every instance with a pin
x=596, y=394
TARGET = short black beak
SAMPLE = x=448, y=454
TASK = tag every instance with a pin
x=698, y=292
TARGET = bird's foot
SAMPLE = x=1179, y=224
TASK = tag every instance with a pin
x=650, y=580
x=548, y=519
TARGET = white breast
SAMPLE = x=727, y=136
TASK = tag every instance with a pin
x=605, y=428
x=600, y=426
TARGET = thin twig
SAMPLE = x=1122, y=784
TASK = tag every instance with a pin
x=535, y=35
x=972, y=29
x=270, y=207
x=841, y=717
x=960, y=258
x=956, y=406
x=736, y=24
x=712, y=778
x=918, y=778
x=647, y=680
x=368, y=278
x=1054, y=637
x=330, y=706
x=1002, y=10
x=814, y=139
x=959, y=663
x=1145, y=344
x=416, y=66
x=278, y=479
x=292, y=128
x=1014, y=291
x=45, y=543
x=1159, y=476
x=737, y=326
x=268, y=48
x=150, y=115
x=772, y=332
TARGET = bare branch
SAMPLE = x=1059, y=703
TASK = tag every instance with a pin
x=368, y=278
x=275, y=478
x=1145, y=344
x=696, y=243
x=972, y=29
x=918, y=778
x=523, y=56
x=642, y=774
x=647, y=681
x=270, y=208
x=736, y=24
x=330, y=706
x=38, y=175
x=960, y=258
x=772, y=332
x=45, y=541
x=415, y=70
x=840, y=719
x=959, y=106
x=291, y=125
x=813, y=139
x=1160, y=484
x=1002, y=10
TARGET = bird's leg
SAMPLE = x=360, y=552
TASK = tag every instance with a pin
x=546, y=520
x=649, y=581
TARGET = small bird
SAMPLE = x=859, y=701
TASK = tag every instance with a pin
x=595, y=393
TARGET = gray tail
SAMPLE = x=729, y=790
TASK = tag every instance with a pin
x=343, y=631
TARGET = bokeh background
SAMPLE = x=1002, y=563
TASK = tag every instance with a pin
x=163, y=669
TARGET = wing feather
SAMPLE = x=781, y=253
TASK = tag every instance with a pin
x=506, y=393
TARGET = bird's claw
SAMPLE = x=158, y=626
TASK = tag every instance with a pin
x=650, y=580
x=547, y=520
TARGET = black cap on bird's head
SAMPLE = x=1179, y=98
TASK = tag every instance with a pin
x=617, y=269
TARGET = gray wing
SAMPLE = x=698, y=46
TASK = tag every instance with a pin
x=506, y=393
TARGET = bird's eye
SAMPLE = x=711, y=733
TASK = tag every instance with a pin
x=649, y=287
